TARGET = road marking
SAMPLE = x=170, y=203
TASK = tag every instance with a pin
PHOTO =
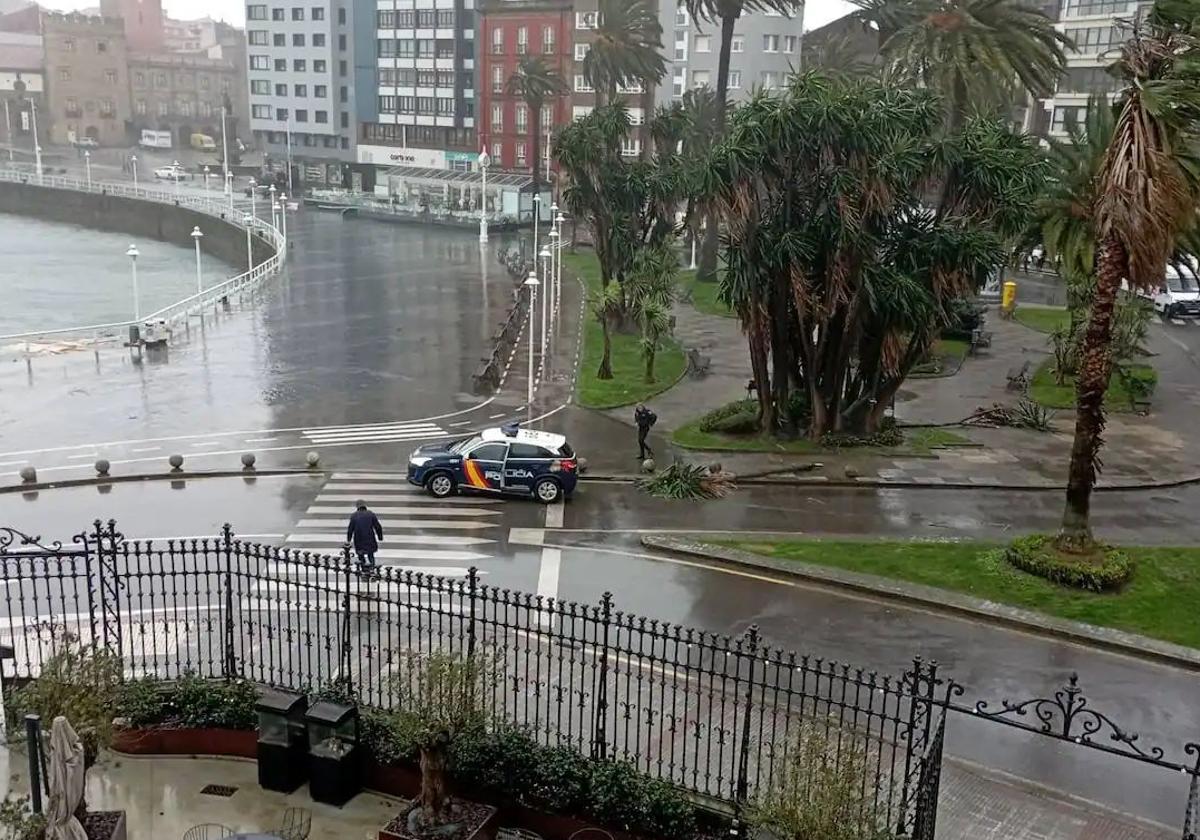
x=494, y=416
x=394, y=428
x=437, y=525
x=257, y=440
x=381, y=506
x=555, y=514
x=547, y=585
x=420, y=511
x=84, y=455
x=146, y=449
x=13, y=463
x=390, y=538
x=207, y=443
x=378, y=437
x=461, y=423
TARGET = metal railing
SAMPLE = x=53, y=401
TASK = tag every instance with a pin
x=182, y=309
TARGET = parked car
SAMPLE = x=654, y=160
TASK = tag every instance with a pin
x=1178, y=295
x=173, y=172
x=87, y=143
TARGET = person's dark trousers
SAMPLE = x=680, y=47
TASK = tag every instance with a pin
x=366, y=559
x=643, y=447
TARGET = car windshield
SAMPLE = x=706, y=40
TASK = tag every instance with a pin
x=465, y=443
x=566, y=451
x=1181, y=283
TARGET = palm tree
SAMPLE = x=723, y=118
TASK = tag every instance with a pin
x=535, y=82
x=649, y=293
x=1145, y=199
x=626, y=48
x=972, y=51
x=727, y=12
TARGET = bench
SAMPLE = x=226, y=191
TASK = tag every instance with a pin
x=1018, y=378
x=486, y=379
x=1141, y=406
x=751, y=387
x=698, y=364
x=980, y=338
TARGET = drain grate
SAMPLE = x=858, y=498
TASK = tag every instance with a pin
x=218, y=790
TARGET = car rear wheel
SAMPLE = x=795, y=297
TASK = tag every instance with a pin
x=440, y=485
x=547, y=491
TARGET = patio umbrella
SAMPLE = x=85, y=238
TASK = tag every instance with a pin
x=65, y=778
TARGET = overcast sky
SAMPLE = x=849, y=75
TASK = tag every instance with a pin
x=816, y=13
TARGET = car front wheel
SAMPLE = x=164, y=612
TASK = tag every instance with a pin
x=440, y=485
x=547, y=491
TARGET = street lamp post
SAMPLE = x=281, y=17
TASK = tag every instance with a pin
x=248, y=221
x=196, y=236
x=537, y=211
x=132, y=253
x=531, y=282
x=483, y=225
x=175, y=173
x=229, y=186
x=545, y=255
x=206, y=173
x=37, y=144
x=133, y=169
x=225, y=155
x=283, y=219
x=558, y=220
x=275, y=215
x=87, y=165
x=273, y=223
x=254, y=198
x=553, y=290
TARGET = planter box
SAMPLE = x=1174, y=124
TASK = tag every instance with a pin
x=400, y=781
x=105, y=825
x=242, y=743
x=486, y=822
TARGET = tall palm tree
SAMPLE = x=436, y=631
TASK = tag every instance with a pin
x=1146, y=196
x=626, y=49
x=727, y=12
x=975, y=52
x=535, y=82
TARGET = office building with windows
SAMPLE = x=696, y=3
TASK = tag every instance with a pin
x=301, y=76
x=633, y=94
x=764, y=51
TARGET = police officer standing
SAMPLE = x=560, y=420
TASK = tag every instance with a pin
x=644, y=418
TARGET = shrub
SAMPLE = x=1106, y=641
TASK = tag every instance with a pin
x=391, y=737
x=142, y=702
x=1105, y=570
x=889, y=434
x=18, y=822
x=201, y=703
x=735, y=418
x=688, y=481
x=560, y=780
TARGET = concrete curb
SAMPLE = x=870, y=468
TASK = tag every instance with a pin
x=760, y=479
x=942, y=601
x=167, y=476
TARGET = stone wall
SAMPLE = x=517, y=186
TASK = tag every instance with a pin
x=134, y=217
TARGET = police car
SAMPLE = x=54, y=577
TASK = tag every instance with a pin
x=505, y=461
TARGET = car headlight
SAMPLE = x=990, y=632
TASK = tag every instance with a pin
x=419, y=460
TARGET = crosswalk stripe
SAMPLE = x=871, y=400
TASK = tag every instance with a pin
x=402, y=497
x=380, y=430
x=402, y=539
x=367, y=476
x=433, y=525
x=385, y=514
x=291, y=568
x=366, y=437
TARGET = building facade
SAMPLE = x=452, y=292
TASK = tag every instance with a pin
x=300, y=61
x=143, y=22
x=22, y=91
x=510, y=30
x=183, y=94
x=87, y=78
x=189, y=36
x=764, y=51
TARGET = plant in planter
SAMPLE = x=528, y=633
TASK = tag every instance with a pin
x=442, y=696
x=18, y=822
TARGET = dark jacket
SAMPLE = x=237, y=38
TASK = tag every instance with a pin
x=645, y=418
x=364, y=530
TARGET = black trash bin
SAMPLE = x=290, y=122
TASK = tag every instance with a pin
x=282, y=740
x=334, y=757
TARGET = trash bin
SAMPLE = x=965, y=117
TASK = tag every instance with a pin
x=334, y=759
x=282, y=741
x=1008, y=296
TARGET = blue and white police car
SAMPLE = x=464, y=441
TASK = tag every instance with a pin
x=503, y=461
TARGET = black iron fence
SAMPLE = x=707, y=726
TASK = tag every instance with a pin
x=726, y=718
x=716, y=715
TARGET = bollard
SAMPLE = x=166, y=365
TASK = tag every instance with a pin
x=248, y=461
x=312, y=459
x=102, y=467
x=33, y=741
x=29, y=475
x=176, y=462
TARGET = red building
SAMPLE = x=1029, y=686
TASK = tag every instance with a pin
x=510, y=30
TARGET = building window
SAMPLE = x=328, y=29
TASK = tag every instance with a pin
x=281, y=114
x=735, y=78
x=497, y=41
x=260, y=62
x=101, y=46
x=1084, y=8
x=258, y=37
x=547, y=40
x=319, y=65
x=256, y=13
x=280, y=89
x=582, y=85
x=321, y=117
x=703, y=43
x=299, y=65
x=700, y=78
x=69, y=44
x=387, y=104
x=277, y=14
x=110, y=77
x=522, y=40
x=279, y=39
x=297, y=39
x=205, y=109
x=300, y=91
x=341, y=68
x=185, y=108
x=1097, y=39
x=789, y=43
x=281, y=65
x=520, y=154
x=321, y=91
x=72, y=107
x=497, y=118
x=1088, y=80
x=681, y=45
x=318, y=40
x=343, y=95
x=681, y=17
x=631, y=146
x=426, y=18
x=342, y=22
x=64, y=74
x=204, y=83
x=631, y=87
x=341, y=43
x=770, y=43
x=445, y=106
x=497, y=153
x=581, y=51
x=586, y=20
x=297, y=13
x=385, y=19
x=160, y=80
x=497, y=80
x=318, y=13
x=769, y=79
x=164, y=109
x=635, y=116
x=522, y=119
x=139, y=79
x=678, y=81
x=345, y=119
x=737, y=44
x=445, y=18
x=547, y=117
x=1067, y=115
x=139, y=107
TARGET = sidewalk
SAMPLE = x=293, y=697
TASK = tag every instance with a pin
x=1138, y=450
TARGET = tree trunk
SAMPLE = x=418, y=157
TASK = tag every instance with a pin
x=650, y=353
x=707, y=270
x=1091, y=381
x=433, y=797
x=605, y=369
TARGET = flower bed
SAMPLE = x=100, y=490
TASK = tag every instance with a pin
x=104, y=825
x=173, y=740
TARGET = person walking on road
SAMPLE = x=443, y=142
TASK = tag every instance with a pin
x=644, y=418
x=365, y=532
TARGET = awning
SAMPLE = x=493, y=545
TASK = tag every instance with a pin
x=439, y=177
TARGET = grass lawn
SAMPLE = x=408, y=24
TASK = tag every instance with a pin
x=628, y=384
x=916, y=442
x=1045, y=319
x=949, y=352
x=1159, y=601
x=704, y=295
x=1045, y=390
